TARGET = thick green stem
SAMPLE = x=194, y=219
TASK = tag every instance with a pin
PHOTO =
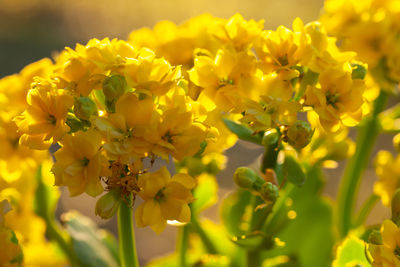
x=356, y=166
x=127, y=249
x=183, y=245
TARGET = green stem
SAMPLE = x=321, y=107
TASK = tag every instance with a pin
x=347, y=194
x=127, y=249
x=183, y=245
x=208, y=244
x=366, y=209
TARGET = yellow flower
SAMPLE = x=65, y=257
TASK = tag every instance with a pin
x=388, y=171
x=237, y=32
x=125, y=129
x=43, y=122
x=165, y=198
x=150, y=75
x=387, y=254
x=176, y=133
x=79, y=163
x=20, y=84
x=177, y=43
x=283, y=48
x=270, y=113
x=227, y=79
x=337, y=99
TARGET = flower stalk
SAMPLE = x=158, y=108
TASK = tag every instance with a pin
x=356, y=166
x=127, y=247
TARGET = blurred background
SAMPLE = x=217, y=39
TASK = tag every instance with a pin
x=33, y=29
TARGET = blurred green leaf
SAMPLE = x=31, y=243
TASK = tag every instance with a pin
x=351, y=253
x=243, y=132
x=205, y=193
x=46, y=197
x=292, y=171
x=308, y=231
x=91, y=245
x=233, y=212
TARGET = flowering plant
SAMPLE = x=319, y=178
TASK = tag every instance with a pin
x=143, y=124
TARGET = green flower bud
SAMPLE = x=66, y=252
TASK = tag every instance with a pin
x=84, y=107
x=114, y=87
x=271, y=143
x=358, y=71
x=245, y=177
x=108, y=204
x=299, y=135
x=270, y=138
x=375, y=237
x=195, y=166
x=269, y=192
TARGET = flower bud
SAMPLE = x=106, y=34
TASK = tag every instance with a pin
x=108, y=204
x=375, y=237
x=114, y=87
x=271, y=143
x=270, y=138
x=299, y=134
x=245, y=177
x=194, y=166
x=84, y=107
x=269, y=192
x=358, y=71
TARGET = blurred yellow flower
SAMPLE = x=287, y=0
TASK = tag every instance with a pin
x=388, y=171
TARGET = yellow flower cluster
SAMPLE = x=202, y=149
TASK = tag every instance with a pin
x=369, y=27
x=267, y=76
x=116, y=106
x=110, y=106
x=22, y=231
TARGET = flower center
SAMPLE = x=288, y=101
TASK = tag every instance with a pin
x=160, y=196
x=332, y=99
x=52, y=119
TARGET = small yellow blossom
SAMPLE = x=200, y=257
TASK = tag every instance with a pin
x=43, y=122
x=79, y=163
x=165, y=198
x=337, y=99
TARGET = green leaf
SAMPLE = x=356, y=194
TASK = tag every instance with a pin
x=351, y=253
x=243, y=132
x=308, y=236
x=292, y=171
x=89, y=242
x=46, y=197
x=235, y=212
x=205, y=193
